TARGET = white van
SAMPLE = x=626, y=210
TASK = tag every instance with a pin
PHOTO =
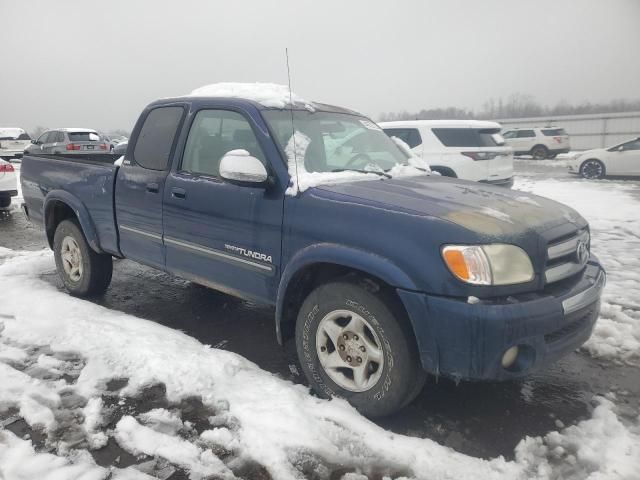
x=13, y=141
x=467, y=149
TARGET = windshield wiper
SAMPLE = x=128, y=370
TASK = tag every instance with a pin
x=377, y=172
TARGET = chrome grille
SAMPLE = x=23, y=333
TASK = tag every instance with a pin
x=567, y=256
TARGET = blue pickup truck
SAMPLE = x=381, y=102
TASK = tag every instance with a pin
x=379, y=271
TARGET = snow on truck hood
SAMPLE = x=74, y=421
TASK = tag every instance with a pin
x=485, y=209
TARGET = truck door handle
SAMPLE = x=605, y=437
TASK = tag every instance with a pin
x=178, y=193
x=153, y=187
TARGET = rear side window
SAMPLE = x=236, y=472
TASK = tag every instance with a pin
x=469, y=137
x=553, y=132
x=410, y=136
x=83, y=136
x=59, y=137
x=526, y=134
x=153, y=147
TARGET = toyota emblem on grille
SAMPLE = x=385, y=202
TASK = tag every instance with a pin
x=582, y=252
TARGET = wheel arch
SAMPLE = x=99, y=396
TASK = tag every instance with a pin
x=318, y=264
x=60, y=205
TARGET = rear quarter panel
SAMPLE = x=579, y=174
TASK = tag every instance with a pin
x=86, y=186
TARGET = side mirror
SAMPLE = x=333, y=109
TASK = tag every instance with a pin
x=238, y=166
x=35, y=142
x=620, y=148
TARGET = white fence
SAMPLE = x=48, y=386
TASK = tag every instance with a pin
x=587, y=131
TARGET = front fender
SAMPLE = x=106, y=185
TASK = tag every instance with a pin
x=81, y=212
x=329, y=253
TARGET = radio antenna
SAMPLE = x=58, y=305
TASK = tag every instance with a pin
x=293, y=129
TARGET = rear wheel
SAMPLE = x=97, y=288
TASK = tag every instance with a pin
x=592, y=169
x=539, y=152
x=83, y=271
x=354, y=345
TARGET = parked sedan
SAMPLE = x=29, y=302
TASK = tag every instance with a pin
x=70, y=141
x=622, y=159
x=8, y=183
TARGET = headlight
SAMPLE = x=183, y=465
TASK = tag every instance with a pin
x=496, y=264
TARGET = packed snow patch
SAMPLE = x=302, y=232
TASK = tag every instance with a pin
x=262, y=418
x=267, y=94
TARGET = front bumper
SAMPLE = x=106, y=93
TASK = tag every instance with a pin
x=463, y=340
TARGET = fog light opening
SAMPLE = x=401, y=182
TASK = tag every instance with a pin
x=509, y=357
x=519, y=358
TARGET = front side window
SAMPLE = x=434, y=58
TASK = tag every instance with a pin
x=509, y=134
x=633, y=145
x=155, y=140
x=213, y=134
x=336, y=141
x=47, y=137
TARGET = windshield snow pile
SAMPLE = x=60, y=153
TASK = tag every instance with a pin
x=74, y=369
x=302, y=179
x=267, y=94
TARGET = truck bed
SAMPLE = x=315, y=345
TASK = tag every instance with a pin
x=85, y=182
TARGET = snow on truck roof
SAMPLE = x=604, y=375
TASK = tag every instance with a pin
x=266, y=94
x=441, y=124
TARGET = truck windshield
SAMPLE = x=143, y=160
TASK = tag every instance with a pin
x=337, y=141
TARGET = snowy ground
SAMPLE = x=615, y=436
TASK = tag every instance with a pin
x=79, y=376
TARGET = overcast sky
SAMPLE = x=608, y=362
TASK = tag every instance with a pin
x=98, y=63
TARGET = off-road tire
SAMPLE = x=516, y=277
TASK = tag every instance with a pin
x=96, y=268
x=402, y=377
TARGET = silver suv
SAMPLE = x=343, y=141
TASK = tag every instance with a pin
x=68, y=141
x=539, y=142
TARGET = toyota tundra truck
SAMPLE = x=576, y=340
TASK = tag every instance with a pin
x=380, y=272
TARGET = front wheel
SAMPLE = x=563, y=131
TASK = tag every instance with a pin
x=354, y=344
x=5, y=202
x=539, y=152
x=592, y=169
x=83, y=271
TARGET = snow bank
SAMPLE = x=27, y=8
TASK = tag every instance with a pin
x=599, y=448
x=611, y=207
x=267, y=94
x=270, y=421
x=19, y=461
